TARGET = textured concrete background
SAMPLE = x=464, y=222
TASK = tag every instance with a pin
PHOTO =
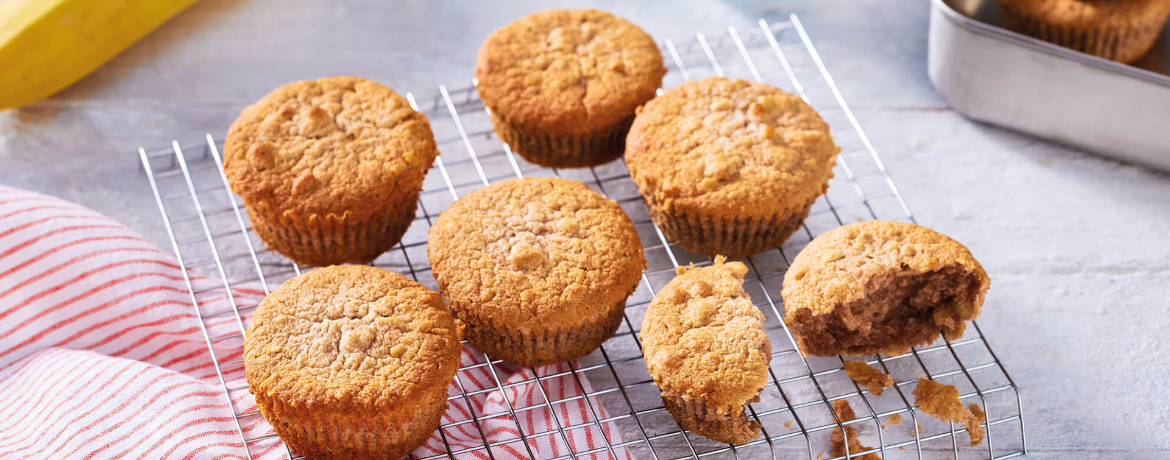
x=1078, y=248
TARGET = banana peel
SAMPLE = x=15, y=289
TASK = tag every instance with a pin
x=47, y=45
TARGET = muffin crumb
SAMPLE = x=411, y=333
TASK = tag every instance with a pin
x=974, y=423
x=942, y=402
x=845, y=413
x=863, y=374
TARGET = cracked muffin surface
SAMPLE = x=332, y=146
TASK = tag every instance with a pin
x=707, y=351
x=879, y=286
x=329, y=169
x=562, y=85
x=568, y=71
x=331, y=146
x=538, y=268
x=729, y=167
x=336, y=353
x=730, y=148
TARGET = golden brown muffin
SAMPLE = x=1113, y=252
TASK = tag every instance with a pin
x=1120, y=30
x=352, y=362
x=562, y=85
x=706, y=349
x=877, y=286
x=329, y=169
x=538, y=269
x=942, y=401
x=728, y=166
x=862, y=373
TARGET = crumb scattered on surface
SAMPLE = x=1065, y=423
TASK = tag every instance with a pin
x=942, y=401
x=977, y=412
x=821, y=454
x=974, y=429
x=894, y=419
x=845, y=413
x=788, y=424
x=864, y=374
x=843, y=410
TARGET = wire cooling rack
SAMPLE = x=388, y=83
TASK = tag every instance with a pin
x=214, y=242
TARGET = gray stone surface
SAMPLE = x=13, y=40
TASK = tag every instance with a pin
x=1076, y=246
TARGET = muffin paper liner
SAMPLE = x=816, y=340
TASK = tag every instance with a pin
x=695, y=416
x=564, y=151
x=1123, y=44
x=323, y=242
x=733, y=238
x=539, y=348
x=358, y=435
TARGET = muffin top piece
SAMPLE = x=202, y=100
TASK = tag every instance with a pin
x=351, y=338
x=568, y=71
x=328, y=148
x=730, y=148
x=846, y=263
x=535, y=254
x=704, y=338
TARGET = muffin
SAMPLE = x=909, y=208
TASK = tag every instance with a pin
x=706, y=349
x=562, y=85
x=1119, y=30
x=352, y=362
x=728, y=166
x=538, y=269
x=329, y=169
x=879, y=286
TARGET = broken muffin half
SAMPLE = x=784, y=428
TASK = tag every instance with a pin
x=880, y=286
x=706, y=349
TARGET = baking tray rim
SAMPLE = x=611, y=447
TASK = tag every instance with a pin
x=991, y=30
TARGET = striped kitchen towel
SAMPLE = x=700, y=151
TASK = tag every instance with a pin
x=102, y=356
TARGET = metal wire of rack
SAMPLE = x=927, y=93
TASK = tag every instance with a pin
x=218, y=253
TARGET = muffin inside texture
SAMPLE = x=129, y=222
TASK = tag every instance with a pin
x=907, y=310
x=880, y=287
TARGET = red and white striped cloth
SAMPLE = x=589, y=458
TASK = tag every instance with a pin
x=102, y=357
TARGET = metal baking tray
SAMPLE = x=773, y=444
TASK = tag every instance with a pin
x=1004, y=78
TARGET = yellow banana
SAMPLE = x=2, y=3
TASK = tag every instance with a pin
x=47, y=45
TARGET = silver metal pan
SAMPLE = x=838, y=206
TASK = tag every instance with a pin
x=997, y=76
